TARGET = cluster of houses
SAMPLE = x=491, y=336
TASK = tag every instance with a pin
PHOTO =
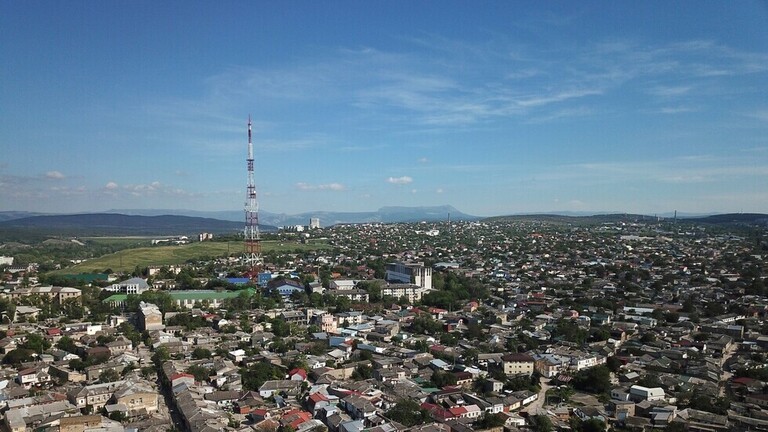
x=680, y=318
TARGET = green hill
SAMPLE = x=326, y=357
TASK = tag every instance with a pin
x=129, y=259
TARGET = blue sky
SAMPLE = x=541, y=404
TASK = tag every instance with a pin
x=494, y=107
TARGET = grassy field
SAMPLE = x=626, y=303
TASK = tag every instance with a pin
x=128, y=259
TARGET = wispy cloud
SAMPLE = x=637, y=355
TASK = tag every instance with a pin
x=560, y=96
x=66, y=191
x=698, y=169
x=677, y=110
x=400, y=180
x=670, y=90
x=446, y=83
x=55, y=175
x=327, y=186
x=563, y=113
x=760, y=115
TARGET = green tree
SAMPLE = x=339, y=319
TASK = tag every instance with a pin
x=280, y=328
x=373, y=289
x=18, y=356
x=408, y=413
x=613, y=363
x=593, y=425
x=109, y=375
x=362, y=372
x=255, y=375
x=593, y=380
x=36, y=343
x=200, y=373
x=201, y=353
x=442, y=379
x=161, y=356
x=490, y=421
x=540, y=423
x=130, y=332
x=67, y=344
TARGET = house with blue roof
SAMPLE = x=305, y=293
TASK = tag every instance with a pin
x=285, y=287
x=237, y=281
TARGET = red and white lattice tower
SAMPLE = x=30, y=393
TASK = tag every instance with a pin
x=252, y=252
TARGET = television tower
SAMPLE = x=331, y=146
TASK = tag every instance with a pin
x=252, y=250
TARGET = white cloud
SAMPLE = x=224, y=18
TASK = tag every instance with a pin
x=676, y=110
x=539, y=100
x=56, y=175
x=326, y=186
x=111, y=186
x=680, y=170
x=760, y=115
x=666, y=91
x=439, y=190
x=423, y=160
x=400, y=180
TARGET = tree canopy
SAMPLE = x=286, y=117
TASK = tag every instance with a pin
x=593, y=380
x=408, y=413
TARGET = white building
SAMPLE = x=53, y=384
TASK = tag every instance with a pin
x=4, y=260
x=343, y=284
x=640, y=393
x=314, y=223
x=131, y=286
x=410, y=291
x=410, y=273
x=584, y=361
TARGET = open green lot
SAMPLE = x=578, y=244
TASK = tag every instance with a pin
x=128, y=259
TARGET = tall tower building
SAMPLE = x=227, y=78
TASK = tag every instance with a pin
x=314, y=223
x=252, y=250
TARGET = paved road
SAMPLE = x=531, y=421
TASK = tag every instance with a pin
x=726, y=376
x=538, y=403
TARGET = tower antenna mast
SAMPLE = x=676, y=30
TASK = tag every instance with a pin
x=252, y=249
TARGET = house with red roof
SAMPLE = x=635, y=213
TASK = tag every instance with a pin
x=466, y=411
x=294, y=418
x=180, y=378
x=316, y=399
x=297, y=374
x=437, y=412
x=437, y=313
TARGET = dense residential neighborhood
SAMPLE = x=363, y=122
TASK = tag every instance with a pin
x=516, y=324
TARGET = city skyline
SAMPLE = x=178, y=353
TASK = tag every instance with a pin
x=512, y=108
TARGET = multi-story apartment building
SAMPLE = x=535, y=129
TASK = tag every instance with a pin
x=407, y=273
x=517, y=364
x=410, y=291
x=150, y=317
x=56, y=294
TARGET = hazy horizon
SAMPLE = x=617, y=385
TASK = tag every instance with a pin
x=213, y=213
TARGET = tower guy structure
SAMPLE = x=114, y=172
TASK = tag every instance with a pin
x=252, y=250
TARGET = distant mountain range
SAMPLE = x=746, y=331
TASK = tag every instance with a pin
x=735, y=218
x=117, y=224
x=10, y=215
x=327, y=218
x=720, y=219
x=189, y=222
